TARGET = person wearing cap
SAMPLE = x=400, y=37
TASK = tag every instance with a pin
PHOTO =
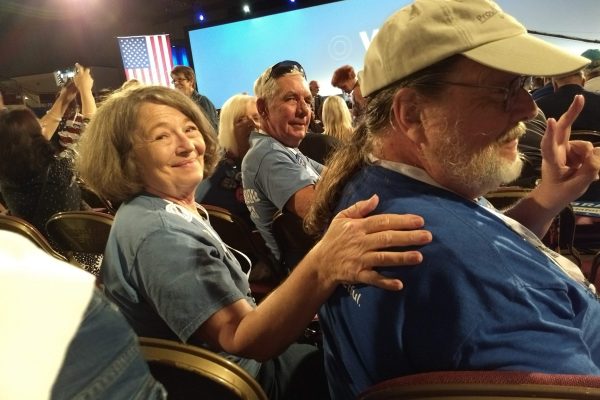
x=592, y=70
x=275, y=173
x=445, y=111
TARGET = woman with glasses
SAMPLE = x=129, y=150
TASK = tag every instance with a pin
x=173, y=277
x=184, y=80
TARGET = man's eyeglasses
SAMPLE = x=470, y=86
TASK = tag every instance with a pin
x=285, y=67
x=177, y=80
x=510, y=92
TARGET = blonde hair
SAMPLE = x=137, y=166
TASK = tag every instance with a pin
x=105, y=152
x=337, y=120
x=232, y=110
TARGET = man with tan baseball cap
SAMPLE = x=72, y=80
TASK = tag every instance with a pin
x=445, y=109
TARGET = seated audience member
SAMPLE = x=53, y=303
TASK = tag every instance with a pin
x=592, y=70
x=173, y=277
x=184, y=80
x=337, y=119
x=275, y=174
x=64, y=123
x=316, y=120
x=224, y=188
x=86, y=351
x=345, y=79
x=441, y=130
x=566, y=87
x=35, y=183
x=545, y=90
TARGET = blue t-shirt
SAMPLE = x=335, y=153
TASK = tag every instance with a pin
x=271, y=174
x=483, y=299
x=168, y=271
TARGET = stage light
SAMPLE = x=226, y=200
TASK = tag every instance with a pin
x=292, y=1
x=198, y=16
x=246, y=8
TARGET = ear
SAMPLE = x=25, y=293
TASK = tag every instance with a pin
x=261, y=106
x=406, y=114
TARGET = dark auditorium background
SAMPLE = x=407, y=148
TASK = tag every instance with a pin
x=40, y=36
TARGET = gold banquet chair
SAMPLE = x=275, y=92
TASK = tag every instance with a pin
x=189, y=372
x=24, y=228
x=488, y=385
x=239, y=236
x=81, y=236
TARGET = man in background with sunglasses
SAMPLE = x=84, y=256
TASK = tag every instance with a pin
x=275, y=174
x=445, y=111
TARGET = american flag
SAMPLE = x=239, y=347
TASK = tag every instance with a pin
x=147, y=58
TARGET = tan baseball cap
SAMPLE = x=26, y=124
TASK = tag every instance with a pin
x=428, y=31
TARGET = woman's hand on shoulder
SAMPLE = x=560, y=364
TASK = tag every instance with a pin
x=355, y=243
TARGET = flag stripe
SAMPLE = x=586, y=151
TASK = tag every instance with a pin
x=147, y=58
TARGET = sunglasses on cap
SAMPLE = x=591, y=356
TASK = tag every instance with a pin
x=285, y=67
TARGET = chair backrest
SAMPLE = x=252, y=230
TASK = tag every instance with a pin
x=80, y=231
x=588, y=135
x=189, y=372
x=292, y=240
x=94, y=200
x=486, y=385
x=24, y=228
x=238, y=235
x=506, y=196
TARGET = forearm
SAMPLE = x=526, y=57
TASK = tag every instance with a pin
x=538, y=209
x=53, y=116
x=88, y=103
x=281, y=318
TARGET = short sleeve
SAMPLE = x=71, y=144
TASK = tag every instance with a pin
x=280, y=177
x=185, y=279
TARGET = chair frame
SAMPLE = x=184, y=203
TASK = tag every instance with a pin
x=246, y=241
x=67, y=243
x=288, y=230
x=486, y=385
x=24, y=228
x=204, y=363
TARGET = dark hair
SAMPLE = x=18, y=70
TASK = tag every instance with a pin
x=186, y=71
x=24, y=152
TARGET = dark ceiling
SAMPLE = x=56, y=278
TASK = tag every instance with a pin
x=39, y=36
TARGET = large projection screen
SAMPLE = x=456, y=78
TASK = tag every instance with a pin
x=228, y=58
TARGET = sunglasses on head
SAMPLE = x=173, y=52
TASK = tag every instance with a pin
x=285, y=67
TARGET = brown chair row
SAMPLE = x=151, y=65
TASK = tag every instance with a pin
x=486, y=385
x=189, y=372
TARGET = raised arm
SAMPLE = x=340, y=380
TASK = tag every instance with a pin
x=350, y=249
x=84, y=82
x=568, y=168
x=54, y=115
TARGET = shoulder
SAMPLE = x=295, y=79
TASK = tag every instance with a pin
x=264, y=146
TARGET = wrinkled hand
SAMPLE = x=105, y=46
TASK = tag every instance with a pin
x=83, y=78
x=568, y=167
x=353, y=245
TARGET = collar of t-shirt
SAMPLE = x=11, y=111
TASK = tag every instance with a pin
x=566, y=265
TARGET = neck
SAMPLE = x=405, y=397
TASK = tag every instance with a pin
x=188, y=202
